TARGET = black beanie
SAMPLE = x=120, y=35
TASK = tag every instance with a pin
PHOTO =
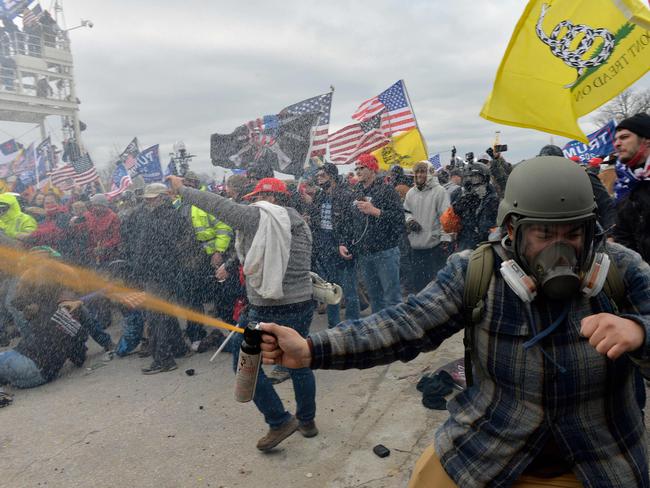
x=331, y=169
x=639, y=124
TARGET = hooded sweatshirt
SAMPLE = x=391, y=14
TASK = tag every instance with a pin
x=13, y=222
x=425, y=206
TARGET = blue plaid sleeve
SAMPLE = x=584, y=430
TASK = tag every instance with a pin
x=398, y=333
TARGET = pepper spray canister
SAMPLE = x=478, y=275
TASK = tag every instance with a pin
x=248, y=365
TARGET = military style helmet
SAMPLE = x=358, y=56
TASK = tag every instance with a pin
x=548, y=188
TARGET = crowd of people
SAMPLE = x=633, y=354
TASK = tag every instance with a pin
x=398, y=244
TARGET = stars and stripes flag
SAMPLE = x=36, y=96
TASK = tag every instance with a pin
x=129, y=156
x=322, y=105
x=31, y=16
x=85, y=170
x=63, y=177
x=349, y=142
x=120, y=181
x=395, y=107
x=80, y=172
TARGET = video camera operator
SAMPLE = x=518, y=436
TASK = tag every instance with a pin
x=476, y=205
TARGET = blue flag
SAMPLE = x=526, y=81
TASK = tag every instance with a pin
x=148, y=165
x=601, y=143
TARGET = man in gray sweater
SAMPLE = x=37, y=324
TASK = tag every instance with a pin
x=287, y=301
x=424, y=204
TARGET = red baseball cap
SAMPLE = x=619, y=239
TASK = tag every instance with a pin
x=368, y=161
x=595, y=162
x=268, y=185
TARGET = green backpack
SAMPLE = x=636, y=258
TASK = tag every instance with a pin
x=477, y=280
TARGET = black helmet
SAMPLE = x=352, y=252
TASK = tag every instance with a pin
x=551, y=150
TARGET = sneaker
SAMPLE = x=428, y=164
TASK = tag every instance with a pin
x=156, y=368
x=277, y=376
x=108, y=356
x=277, y=435
x=308, y=429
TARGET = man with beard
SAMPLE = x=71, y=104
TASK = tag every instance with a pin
x=424, y=204
x=632, y=143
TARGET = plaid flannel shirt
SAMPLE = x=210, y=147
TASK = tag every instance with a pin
x=520, y=398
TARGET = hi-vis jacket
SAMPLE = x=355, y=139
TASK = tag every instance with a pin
x=213, y=234
x=13, y=222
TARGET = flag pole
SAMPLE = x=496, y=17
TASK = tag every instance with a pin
x=408, y=98
x=417, y=126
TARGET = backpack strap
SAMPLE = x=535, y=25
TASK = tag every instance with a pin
x=480, y=269
x=614, y=287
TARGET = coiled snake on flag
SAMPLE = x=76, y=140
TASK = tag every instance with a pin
x=560, y=47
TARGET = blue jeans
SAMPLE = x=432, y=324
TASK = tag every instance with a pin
x=381, y=274
x=19, y=371
x=266, y=399
x=330, y=268
x=133, y=324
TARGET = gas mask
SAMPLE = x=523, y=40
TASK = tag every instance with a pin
x=554, y=271
x=559, y=271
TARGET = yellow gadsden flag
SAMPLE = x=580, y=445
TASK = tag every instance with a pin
x=404, y=150
x=565, y=59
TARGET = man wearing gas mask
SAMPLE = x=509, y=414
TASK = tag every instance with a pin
x=476, y=205
x=554, y=358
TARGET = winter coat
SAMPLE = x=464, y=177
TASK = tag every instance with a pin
x=368, y=234
x=245, y=219
x=425, y=206
x=161, y=245
x=477, y=215
x=606, y=211
x=13, y=222
x=53, y=232
x=342, y=200
x=633, y=220
x=102, y=227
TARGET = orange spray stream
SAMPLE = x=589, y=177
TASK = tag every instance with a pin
x=84, y=281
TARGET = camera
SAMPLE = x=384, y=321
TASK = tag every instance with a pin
x=469, y=157
x=501, y=148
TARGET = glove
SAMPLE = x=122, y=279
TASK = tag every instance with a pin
x=413, y=226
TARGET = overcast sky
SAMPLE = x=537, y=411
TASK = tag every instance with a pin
x=167, y=70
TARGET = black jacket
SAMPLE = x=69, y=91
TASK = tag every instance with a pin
x=477, y=215
x=633, y=220
x=342, y=200
x=367, y=234
x=160, y=246
x=606, y=211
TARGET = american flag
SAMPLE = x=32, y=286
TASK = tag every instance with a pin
x=321, y=104
x=435, y=161
x=79, y=172
x=130, y=154
x=355, y=139
x=85, y=170
x=121, y=180
x=32, y=16
x=63, y=177
x=394, y=105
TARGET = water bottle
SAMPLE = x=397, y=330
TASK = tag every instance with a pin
x=248, y=365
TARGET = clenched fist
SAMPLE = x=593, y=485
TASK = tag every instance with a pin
x=611, y=335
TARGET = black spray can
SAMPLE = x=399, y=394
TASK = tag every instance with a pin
x=248, y=365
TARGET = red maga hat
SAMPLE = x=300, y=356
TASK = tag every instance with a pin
x=268, y=185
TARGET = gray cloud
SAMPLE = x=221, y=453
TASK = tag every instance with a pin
x=165, y=70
